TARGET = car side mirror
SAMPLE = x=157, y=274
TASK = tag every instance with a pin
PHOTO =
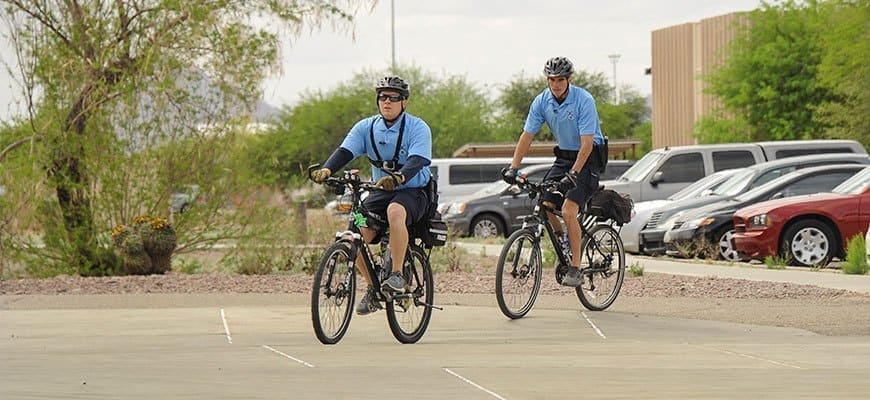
x=657, y=178
x=514, y=190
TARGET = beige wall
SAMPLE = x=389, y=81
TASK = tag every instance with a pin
x=681, y=54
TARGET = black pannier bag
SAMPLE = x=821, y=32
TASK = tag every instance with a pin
x=435, y=233
x=609, y=204
x=432, y=230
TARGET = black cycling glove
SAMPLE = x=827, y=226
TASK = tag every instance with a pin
x=569, y=181
x=509, y=175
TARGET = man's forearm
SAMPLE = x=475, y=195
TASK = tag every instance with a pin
x=522, y=148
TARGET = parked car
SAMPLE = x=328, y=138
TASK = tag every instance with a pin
x=653, y=235
x=630, y=232
x=714, y=223
x=183, y=197
x=462, y=177
x=806, y=230
x=663, y=172
x=867, y=243
x=494, y=210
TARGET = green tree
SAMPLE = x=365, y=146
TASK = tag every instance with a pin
x=110, y=86
x=770, y=77
x=845, y=72
x=618, y=121
x=455, y=110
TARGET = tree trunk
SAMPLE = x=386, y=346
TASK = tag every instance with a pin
x=71, y=187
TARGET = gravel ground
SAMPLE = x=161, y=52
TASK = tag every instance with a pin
x=820, y=310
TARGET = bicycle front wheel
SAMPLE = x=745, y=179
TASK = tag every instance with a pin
x=518, y=274
x=603, y=268
x=333, y=293
x=409, y=312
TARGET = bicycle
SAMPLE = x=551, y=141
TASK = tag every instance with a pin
x=334, y=288
x=518, y=274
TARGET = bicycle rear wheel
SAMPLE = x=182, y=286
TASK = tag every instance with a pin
x=408, y=313
x=518, y=274
x=333, y=293
x=603, y=268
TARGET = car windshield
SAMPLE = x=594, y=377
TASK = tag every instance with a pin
x=493, y=188
x=641, y=168
x=694, y=190
x=855, y=184
x=761, y=190
x=735, y=184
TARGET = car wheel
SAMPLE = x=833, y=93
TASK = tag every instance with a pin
x=809, y=243
x=727, y=251
x=487, y=226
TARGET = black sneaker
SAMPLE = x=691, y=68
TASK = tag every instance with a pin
x=367, y=304
x=395, y=283
x=573, y=277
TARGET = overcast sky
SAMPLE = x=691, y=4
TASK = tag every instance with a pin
x=488, y=41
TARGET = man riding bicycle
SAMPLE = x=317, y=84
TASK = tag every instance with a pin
x=571, y=114
x=399, y=147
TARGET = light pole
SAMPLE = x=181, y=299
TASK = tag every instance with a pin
x=393, y=32
x=613, y=59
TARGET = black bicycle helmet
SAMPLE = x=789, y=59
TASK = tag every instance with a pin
x=393, y=83
x=558, y=66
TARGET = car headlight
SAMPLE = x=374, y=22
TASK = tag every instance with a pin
x=698, y=223
x=454, y=209
x=669, y=223
x=761, y=221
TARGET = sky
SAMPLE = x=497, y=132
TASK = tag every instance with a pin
x=487, y=41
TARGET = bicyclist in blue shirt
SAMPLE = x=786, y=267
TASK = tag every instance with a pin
x=399, y=147
x=572, y=116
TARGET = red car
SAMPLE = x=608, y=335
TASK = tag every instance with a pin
x=806, y=230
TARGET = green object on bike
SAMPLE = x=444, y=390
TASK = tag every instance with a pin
x=359, y=219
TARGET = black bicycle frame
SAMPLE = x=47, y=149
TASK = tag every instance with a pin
x=540, y=218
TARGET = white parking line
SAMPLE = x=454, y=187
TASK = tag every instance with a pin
x=226, y=327
x=490, y=392
x=592, y=324
x=289, y=356
x=782, y=364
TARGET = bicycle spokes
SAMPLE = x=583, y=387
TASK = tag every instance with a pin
x=604, y=268
x=518, y=274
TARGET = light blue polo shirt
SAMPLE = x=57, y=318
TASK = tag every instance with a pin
x=576, y=116
x=416, y=141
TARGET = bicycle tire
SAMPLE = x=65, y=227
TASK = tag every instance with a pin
x=609, y=243
x=335, y=279
x=518, y=274
x=409, y=317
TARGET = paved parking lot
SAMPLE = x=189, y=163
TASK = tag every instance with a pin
x=252, y=347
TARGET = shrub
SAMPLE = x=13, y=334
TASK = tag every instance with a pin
x=856, y=259
x=635, y=269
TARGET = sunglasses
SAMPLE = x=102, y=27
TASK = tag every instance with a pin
x=393, y=99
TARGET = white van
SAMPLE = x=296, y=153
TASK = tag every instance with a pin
x=663, y=172
x=459, y=177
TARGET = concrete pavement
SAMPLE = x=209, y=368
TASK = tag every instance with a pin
x=829, y=278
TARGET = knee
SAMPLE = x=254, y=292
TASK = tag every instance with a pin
x=396, y=214
x=570, y=209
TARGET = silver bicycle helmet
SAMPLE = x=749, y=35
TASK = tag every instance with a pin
x=393, y=83
x=558, y=66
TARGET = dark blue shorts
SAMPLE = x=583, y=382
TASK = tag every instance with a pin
x=413, y=200
x=587, y=183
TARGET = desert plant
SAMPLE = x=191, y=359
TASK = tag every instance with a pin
x=776, y=262
x=146, y=247
x=856, y=259
x=635, y=269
